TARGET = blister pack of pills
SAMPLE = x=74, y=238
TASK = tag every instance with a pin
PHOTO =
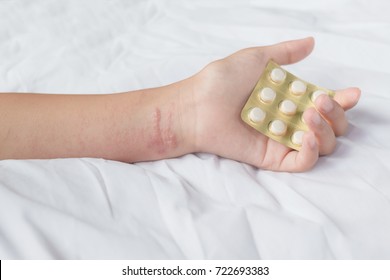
x=276, y=105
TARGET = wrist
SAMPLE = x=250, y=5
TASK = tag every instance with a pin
x=167, y=122
x=187, y=117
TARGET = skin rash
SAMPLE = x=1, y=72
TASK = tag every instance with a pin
x=163, y=138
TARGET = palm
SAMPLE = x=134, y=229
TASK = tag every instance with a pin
x=229, y=83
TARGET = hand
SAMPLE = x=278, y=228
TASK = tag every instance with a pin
x=220, y=91
x=199, y=114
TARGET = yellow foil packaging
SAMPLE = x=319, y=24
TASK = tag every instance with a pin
x=276, y=105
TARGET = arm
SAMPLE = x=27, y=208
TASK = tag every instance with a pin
x=132, y=126
x=199, y=114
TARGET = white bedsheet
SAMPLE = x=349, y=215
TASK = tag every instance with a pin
x=198, y=206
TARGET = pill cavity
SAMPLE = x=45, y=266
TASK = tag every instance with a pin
x=297, y=137
x=317, y=93
x=288, y=107
x=278, y=127
x=277, y=75
x=267, y=95
x=298, y=88
x=256, y=115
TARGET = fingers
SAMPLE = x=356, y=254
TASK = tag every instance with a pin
x=333, y=113
x=323, y=132
x=303, y=160
x=330, y=120
x=325, y=122
x=289, y=51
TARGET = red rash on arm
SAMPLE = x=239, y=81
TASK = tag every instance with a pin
x=163, y=137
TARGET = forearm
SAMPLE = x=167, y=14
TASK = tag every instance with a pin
x=133, y=126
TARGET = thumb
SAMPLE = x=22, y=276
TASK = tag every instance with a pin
x=289, y=51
